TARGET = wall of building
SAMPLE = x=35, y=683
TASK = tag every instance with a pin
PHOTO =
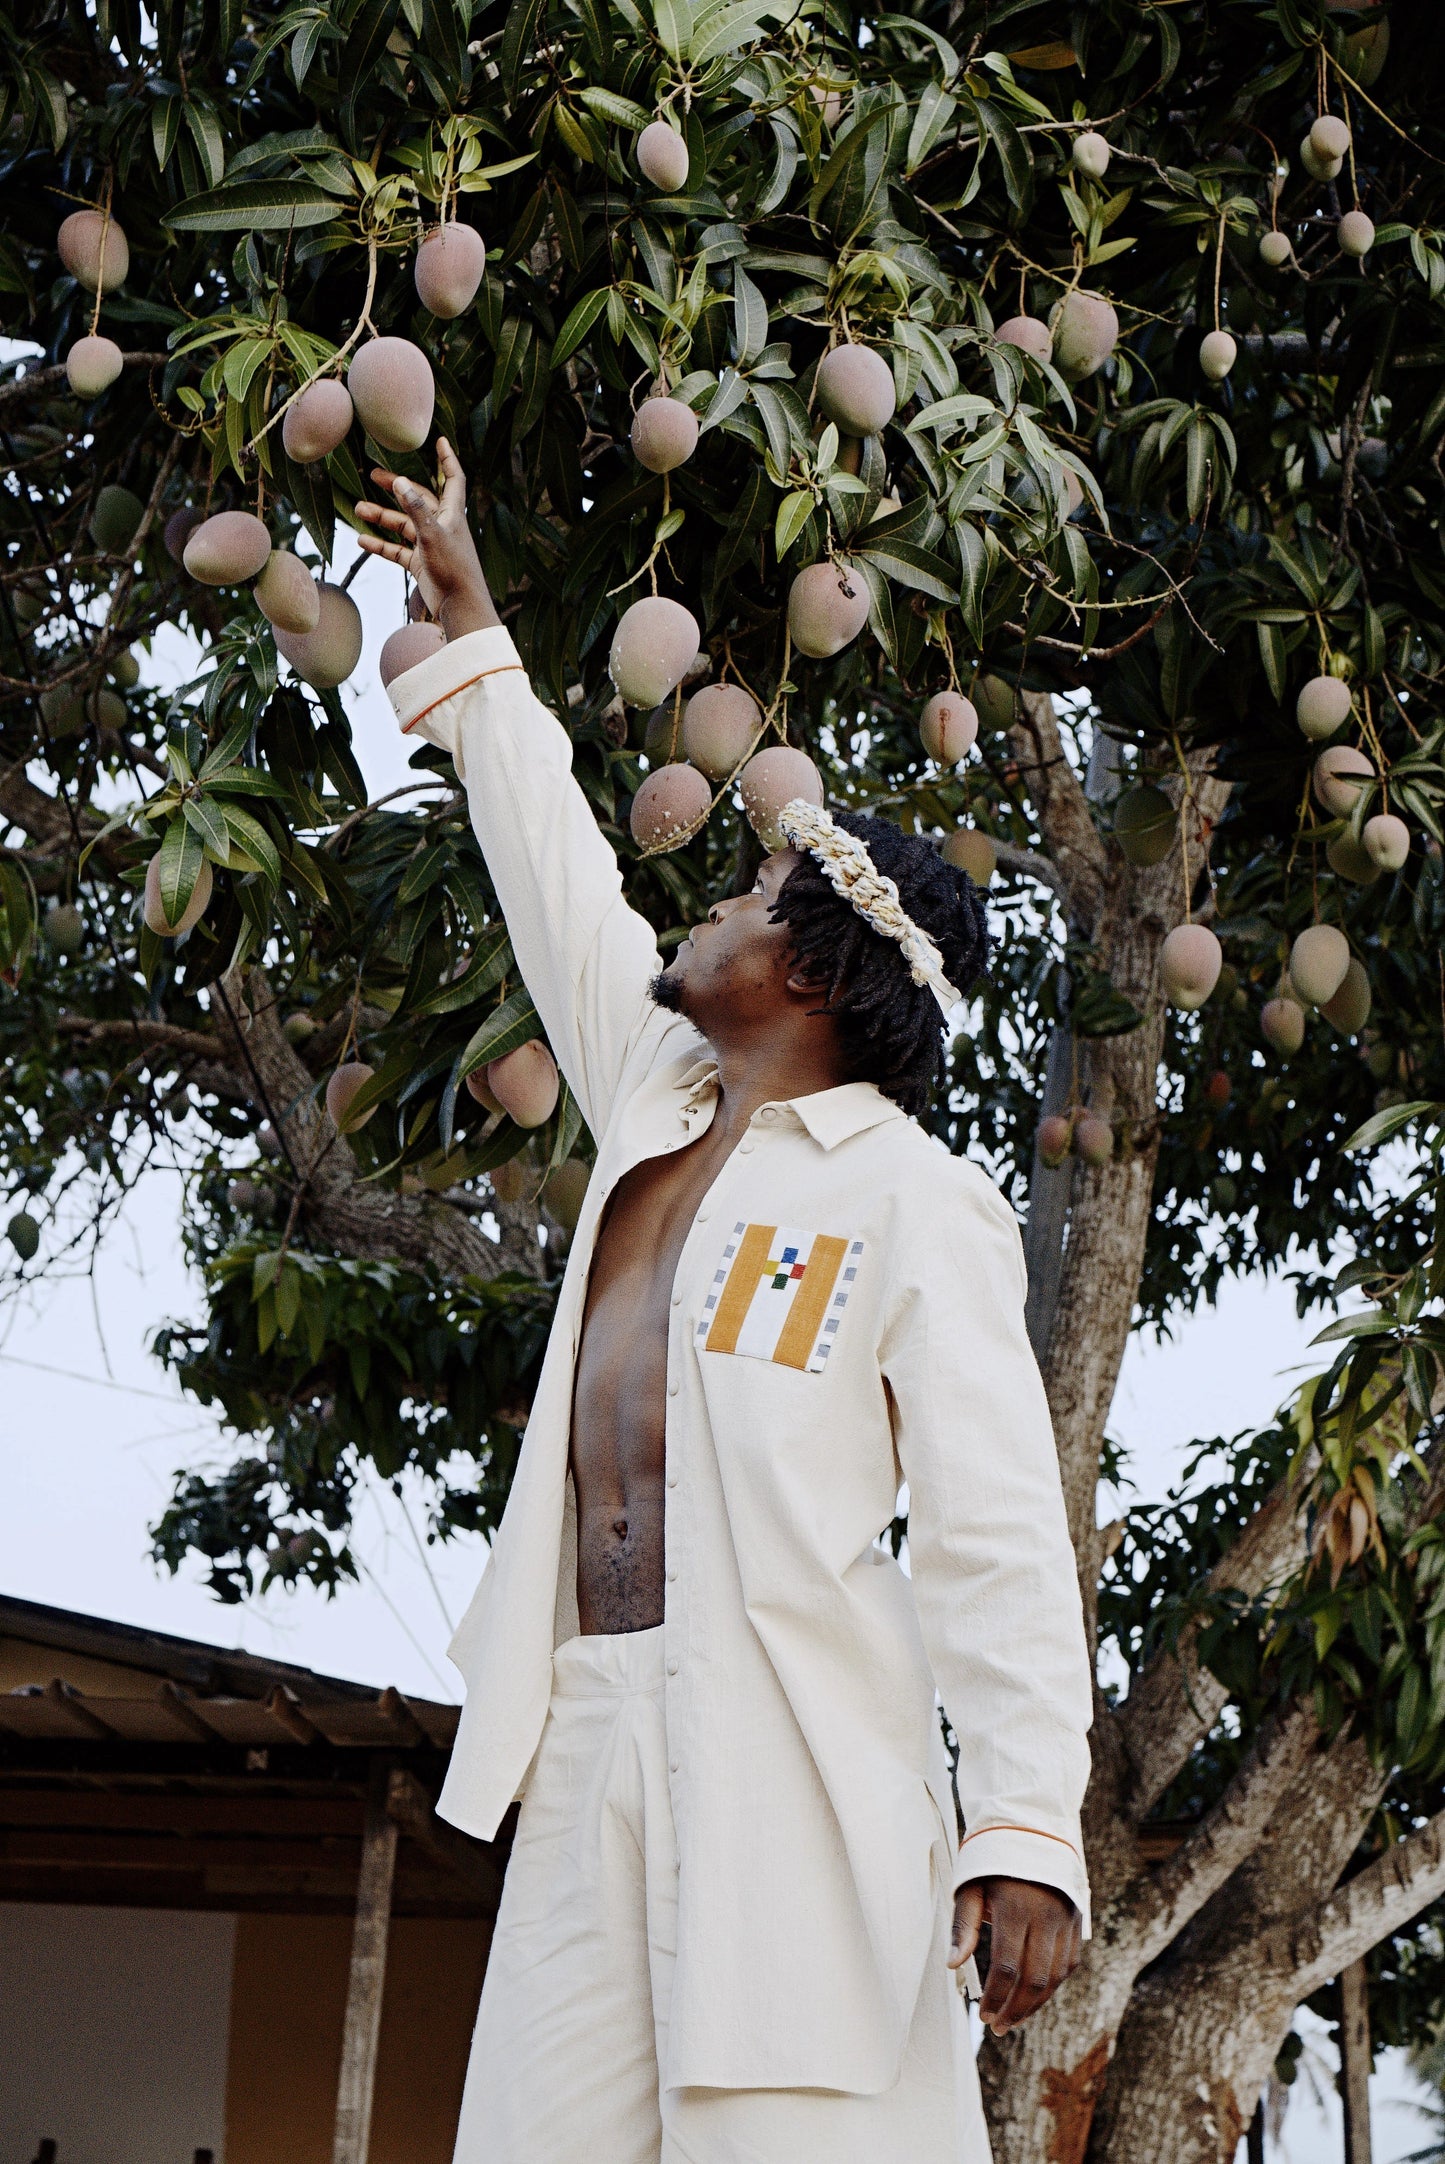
x=113, y=2033
x=285, y=2050
x=137, y=2036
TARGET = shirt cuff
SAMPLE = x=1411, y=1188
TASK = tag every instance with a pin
x=1021, y=1852
x=420, y=696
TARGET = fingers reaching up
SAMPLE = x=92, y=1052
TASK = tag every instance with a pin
x=427, y=535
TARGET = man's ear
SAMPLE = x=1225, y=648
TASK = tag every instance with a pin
x=803, y=984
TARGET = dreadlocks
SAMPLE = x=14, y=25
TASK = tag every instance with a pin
x=889, y=1028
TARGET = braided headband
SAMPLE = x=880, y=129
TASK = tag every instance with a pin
x=851, y=873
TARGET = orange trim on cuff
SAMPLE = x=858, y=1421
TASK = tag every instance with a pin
x=500, y=670
x=1036, y=1831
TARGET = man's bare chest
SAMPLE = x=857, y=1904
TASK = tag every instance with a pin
x=645, y=1226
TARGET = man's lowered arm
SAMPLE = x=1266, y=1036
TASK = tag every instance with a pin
x=994, y=1581
x=585, y=956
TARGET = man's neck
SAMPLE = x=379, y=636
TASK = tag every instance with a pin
x=753, y=1075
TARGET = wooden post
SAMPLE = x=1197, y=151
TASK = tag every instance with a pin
x=1355, y=2061
x=368, y=1975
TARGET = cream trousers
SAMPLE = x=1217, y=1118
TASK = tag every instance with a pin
x=569, y=2060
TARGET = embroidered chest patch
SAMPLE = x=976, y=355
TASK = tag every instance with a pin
x=779, y=1295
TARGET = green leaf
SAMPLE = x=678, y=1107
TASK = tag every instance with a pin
x=181, y=858
x=723, y=30
x=578, y=323
x=1018, y=171
x=422, y=872
x=250, y=840
x=1270, y=641
x=934, y=115
x=793, y=514
x=609, y=105
x=517, y=40
x=973, y=550
x=491, y=962
x=774, y=416
x=1372, y=1324
x=1198, y=472
x=514, y=1023
x=364, y=46
x=254, y=206
x=205, y=127
x=207, y=820
x=849, y=145
x=785, y=164
x=961, y=406
x=165, y=126
x=1389, y=1122
x=18, y=917
x=674, y=26
x=909, y=565
x=568, y=1123
x=750, y=317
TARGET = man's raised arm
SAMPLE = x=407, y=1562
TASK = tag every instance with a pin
x=585, y=956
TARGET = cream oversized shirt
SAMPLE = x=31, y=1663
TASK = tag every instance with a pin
x=847, y=1314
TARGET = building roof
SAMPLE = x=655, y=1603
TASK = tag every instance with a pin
x=142, y=1770
x=143, y=1686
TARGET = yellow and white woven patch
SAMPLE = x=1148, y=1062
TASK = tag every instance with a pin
x=779, y=1295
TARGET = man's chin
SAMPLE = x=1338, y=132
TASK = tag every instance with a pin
x=665, y=991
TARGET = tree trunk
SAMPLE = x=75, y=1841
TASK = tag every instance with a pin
x=1205, y=2026
x=1355, y=2061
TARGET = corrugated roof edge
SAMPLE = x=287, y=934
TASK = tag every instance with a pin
x=210, y=1670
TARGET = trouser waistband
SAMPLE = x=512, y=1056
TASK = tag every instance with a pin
x=607, y=1662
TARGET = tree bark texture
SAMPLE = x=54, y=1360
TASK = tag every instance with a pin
x=1355, y=2062
x=1159, y=2047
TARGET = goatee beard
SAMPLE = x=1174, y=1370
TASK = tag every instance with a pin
x=665, y=992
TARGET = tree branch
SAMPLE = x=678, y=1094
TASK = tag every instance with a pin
x=1031, y=864
x=353, y=1215
x=39, y=381
x=1174, y=1703
x=1227, y=1835
x=143, y=1034
x=1064, y=813
x=1378, y=1900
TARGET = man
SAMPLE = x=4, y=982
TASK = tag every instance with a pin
x=737, y=1907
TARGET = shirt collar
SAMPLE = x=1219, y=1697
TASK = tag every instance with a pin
x=830, y=1116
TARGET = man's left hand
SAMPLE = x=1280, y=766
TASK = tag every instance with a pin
x=1037, y=1937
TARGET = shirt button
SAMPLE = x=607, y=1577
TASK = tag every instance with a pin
x=674, y=1765
x=746, y=1146
x=672, y=1668
x=769, y=1113
x=672, y=1480
x=672, y=1572
x=673, y=1387
x=703, y=1215
x=677, y=1299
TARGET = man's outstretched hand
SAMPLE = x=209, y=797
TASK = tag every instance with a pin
x=1036, y=1941
x=429, y=537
